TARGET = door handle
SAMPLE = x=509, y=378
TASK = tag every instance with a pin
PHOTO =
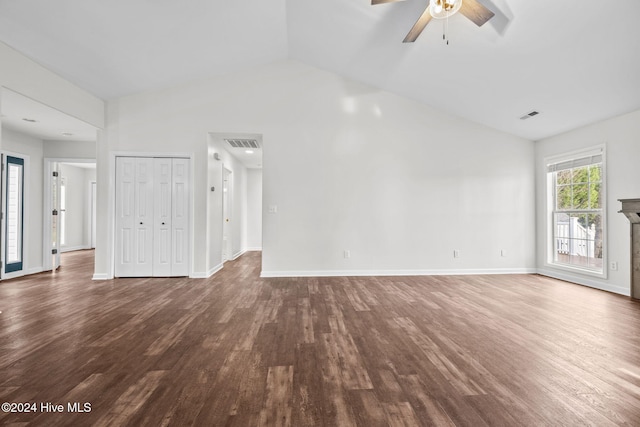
x=163, y=223
x=140, y=223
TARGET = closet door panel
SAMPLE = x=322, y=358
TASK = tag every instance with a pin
x=162, y=217
x=144, y=217
x=180, y=217
x=125, y=207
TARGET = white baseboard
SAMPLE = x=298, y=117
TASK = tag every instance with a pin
x=101, y=276
x=207, y=274
x=585, y=281
x=237, y=254
x=335, y=273
x=34, y=270
x=254, y=249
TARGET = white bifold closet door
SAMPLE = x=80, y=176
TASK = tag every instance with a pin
x=152, y=206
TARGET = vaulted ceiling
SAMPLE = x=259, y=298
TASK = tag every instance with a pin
x=574, y=61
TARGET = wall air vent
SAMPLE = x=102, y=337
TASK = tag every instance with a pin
x=243, y=143
x=529, y=115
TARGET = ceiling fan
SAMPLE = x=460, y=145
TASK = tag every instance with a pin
x=442, y=9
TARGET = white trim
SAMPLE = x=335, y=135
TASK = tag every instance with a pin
x=237, y=255
x=13, y=274
x=101, y=276
x=208, y=274
x=34, y=270
x=585, y=281
x=254, y=249
x=347, y=273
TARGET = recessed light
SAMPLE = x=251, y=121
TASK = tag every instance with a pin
x=248, y=151
x=67, y=134
x=29, y=120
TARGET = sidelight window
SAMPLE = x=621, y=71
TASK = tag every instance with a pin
x=14, y=227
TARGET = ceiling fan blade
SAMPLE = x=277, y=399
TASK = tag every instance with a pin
x=476, y=12
x=418, y=27
x=373, y=2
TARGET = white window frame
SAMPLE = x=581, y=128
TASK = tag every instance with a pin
x=550, y=210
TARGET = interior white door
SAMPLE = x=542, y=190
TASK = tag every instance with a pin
x=162, y=217
x=134, y=217
x=226, y=211
x=180, y=217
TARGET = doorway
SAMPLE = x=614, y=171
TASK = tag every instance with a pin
x=69, y=208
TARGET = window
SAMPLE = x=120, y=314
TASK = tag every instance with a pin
x=577, y=224
x=63, y=212
x=14, y=212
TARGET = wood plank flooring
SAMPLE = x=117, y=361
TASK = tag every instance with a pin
x=238, y=350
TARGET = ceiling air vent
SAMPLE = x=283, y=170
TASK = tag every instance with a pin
x=529, y=115
x=243, y=143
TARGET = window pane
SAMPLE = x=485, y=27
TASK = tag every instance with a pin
x=594, y=196
x=595, y=173
x=595, y=222
x=562, y=225
x=581, y=196
x=563, y=177
x=63, y=216
x=14, y=213
x=580, y=175
x=564, y=197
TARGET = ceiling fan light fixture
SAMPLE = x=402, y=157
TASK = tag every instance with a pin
x=442, y=9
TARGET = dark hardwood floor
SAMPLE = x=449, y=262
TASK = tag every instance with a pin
x=239, y=350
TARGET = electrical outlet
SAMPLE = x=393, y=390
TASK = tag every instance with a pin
x=613, y=266
x=347, y=253
x=456, y=253
x=273, y=208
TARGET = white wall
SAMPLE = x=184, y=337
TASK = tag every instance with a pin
x=254, y=209
x=27, y=145
x=70, y=149
x=621, y=136
x=349, y=166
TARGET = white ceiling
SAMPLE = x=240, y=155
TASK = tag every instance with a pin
x=575, y=61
